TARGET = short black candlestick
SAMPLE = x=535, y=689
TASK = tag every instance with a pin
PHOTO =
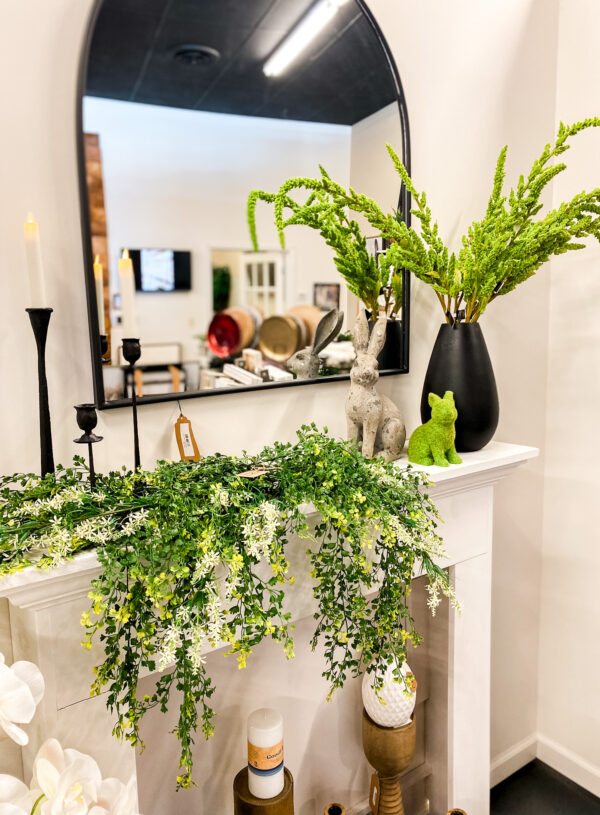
x=40, y=319
x=103, y=346
x=87, y=421
x=132, y=352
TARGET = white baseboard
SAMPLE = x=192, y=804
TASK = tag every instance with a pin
x=568, y=763
x=511, y=760
x=553, y=754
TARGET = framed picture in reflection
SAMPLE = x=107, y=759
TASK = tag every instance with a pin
x=326, y=296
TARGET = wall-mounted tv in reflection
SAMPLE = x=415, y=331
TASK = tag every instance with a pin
x=161, y=270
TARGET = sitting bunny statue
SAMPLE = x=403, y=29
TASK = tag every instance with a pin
x=372, y=418
x=306, y=363
x=433, y=442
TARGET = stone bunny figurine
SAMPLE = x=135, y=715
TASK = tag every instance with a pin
x=372, y=418
x=433, y=442
x=306, y=363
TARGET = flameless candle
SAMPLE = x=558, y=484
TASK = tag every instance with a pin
x=265, y=753
x=37, y=288
x=99, y=281
x=127, y=285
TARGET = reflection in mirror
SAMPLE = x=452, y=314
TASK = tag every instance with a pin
x=187, y=107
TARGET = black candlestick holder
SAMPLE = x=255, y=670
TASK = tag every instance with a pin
x=87, y=421
x=103, y=347
x=40, y=319
x=132, y=352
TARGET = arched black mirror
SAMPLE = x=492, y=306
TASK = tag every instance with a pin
x=185, y=107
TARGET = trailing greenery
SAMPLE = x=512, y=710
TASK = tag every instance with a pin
x=325, y=209
x=195, y=554
x=500, y=251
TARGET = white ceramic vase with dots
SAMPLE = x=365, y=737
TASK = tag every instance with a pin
x=395, y=703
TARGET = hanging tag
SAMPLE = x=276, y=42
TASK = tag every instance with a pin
x=374, y=794
x=256, y=473
x=188, y=449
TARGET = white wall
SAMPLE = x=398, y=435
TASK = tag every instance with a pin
x=179, y=179
x=476, y=75
x=569, y=664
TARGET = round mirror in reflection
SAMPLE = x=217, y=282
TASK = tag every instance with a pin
x=187, y=106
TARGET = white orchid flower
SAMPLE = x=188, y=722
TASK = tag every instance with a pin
x=15, y=797
x=21, y=689
x=70, y=780
x=116, y=798
x=13, y=809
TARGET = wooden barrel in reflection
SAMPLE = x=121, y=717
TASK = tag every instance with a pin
x=279, y=337
x=310, y=316
x=232, y=330
x=223, y=335
x=246, y=325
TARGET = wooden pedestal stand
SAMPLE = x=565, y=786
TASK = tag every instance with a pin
x=389, y=750
x=244, y=803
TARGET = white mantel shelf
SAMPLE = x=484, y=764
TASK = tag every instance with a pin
x=45, y=607
x=38, y=588
x=478, y=469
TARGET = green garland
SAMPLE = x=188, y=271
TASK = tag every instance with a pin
x=194, y=554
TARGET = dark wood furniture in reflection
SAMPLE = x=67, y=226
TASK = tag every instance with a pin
x=95, y=186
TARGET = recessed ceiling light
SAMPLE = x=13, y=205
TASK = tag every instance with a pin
x=196, y=54
x=306, y=30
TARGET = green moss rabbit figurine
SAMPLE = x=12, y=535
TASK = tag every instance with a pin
x=433, y=442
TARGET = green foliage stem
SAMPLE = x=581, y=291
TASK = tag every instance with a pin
x=325, y=209
x=507, y=246
x=500, y=251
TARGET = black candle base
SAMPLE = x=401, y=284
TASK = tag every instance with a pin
x=132, y=352
x=87, y=420
x=40, y=320
x=103, y=347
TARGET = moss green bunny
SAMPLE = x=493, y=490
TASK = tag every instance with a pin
x=433, y=442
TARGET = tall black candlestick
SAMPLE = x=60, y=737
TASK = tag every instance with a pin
x=132, y=352
x=40, y=319
x=87, y=421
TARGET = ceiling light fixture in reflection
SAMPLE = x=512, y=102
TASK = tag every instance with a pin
x=306, y=30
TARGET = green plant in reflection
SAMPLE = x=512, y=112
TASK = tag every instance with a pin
x=500, y=251
x=221, y=287
x=326, y=209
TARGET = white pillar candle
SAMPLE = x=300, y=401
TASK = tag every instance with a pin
x=33, y=254
x=127, y=286
x=265, y=753
x=99, y=281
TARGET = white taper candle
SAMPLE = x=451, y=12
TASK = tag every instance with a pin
x=99, y=281
x=127, y=286
x=33, y=254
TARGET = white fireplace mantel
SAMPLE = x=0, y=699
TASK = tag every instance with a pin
x=45, y=607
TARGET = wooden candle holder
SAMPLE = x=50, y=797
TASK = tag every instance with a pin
x=244, y=803
x=389, y=750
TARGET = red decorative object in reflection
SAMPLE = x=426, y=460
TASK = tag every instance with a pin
x=223, y=335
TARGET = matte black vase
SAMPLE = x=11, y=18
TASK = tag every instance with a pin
x=460, y=363
x=390, y=355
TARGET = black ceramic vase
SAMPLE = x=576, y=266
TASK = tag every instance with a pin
x=460, y=363
x=390, y=355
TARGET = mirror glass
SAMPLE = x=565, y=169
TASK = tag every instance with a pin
x=187, y=106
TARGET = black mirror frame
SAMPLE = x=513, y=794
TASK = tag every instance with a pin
x=404, y=204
